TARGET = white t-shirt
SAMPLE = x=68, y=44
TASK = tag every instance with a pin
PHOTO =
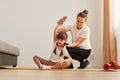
x=56, y=57
x=84, y=32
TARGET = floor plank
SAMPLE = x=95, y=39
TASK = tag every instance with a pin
x=58, y=75
x=31, y=73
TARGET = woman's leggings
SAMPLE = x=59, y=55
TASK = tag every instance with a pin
x=78, y=53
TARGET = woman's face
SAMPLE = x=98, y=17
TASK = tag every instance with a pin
x=80, y=22
x=61, y=42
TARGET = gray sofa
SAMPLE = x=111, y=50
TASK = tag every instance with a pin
x=8, y=54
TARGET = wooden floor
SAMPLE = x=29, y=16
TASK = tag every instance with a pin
x=65, y=74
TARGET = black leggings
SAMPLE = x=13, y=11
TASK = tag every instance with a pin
x=78, y=53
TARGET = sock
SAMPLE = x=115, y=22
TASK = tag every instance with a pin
x=45, y=67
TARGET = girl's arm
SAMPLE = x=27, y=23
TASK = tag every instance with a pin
x=58, y=27
x=56, y=32
x=68, y=58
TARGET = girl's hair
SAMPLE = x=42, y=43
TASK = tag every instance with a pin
x=83, y=14
x=63, y=36
x=61, y=53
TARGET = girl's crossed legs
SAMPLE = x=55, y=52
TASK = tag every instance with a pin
x=47, y=64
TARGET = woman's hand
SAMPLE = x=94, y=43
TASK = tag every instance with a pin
x=70, y=45
x=62, y=20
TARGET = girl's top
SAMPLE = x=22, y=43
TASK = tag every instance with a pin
x=57, y=57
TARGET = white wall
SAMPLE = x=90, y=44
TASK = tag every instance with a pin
x=117, y=28
x=29, y=25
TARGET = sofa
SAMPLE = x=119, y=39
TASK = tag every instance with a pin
x=8, y=54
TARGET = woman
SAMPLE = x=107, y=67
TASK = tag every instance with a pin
x=80, y=48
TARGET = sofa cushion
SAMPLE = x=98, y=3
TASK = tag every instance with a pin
x=8, y=49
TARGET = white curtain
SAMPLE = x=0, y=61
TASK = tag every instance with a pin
x=117, y=27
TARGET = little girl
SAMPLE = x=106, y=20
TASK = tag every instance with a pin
x=56, y=60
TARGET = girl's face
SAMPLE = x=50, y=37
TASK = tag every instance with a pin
x=80, y=22
x=61, y=42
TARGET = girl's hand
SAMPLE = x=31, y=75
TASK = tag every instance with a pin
x=59, y=64
x=61, y=21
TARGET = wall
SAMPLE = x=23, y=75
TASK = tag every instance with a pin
x=29, y=25
x=117, y=28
